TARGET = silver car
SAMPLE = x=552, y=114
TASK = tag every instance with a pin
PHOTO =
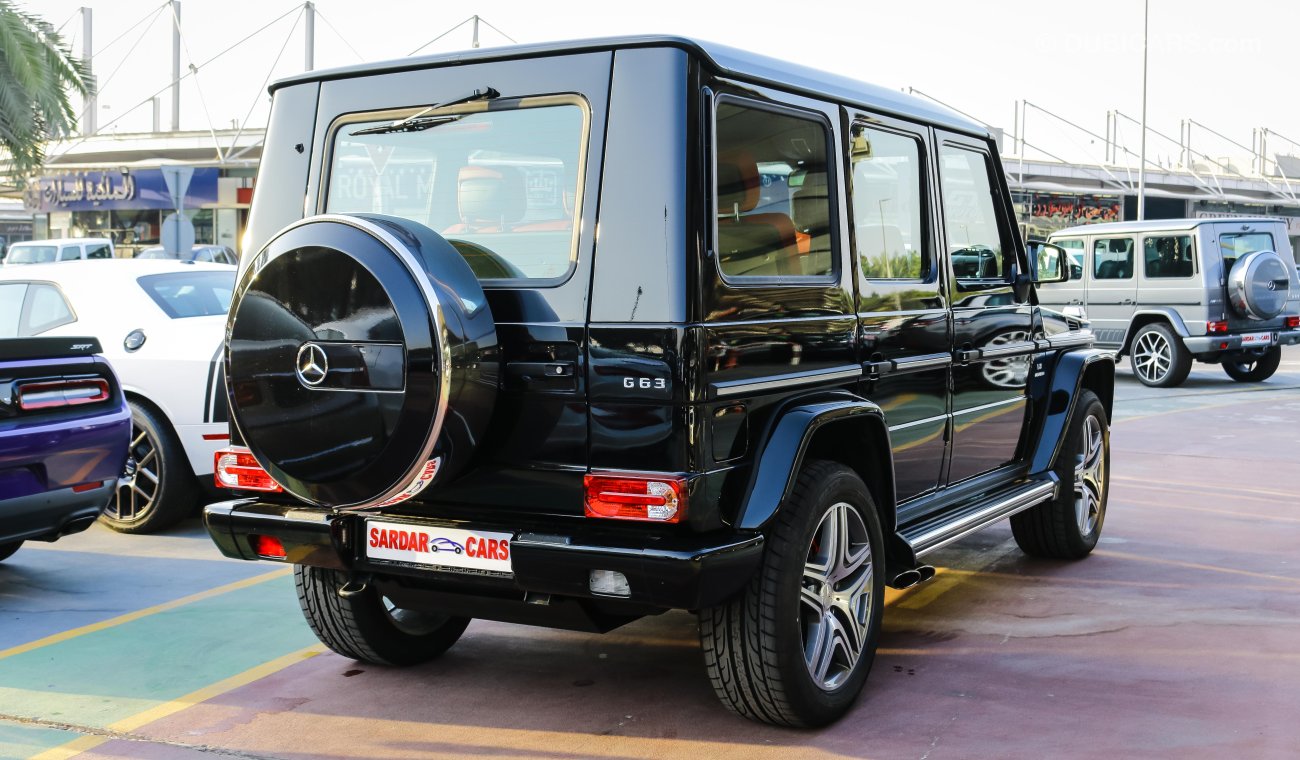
x=1222, y=291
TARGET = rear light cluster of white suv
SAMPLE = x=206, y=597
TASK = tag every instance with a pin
x=235, y=467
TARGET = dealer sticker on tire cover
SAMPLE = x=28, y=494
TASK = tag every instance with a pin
x=422, y=479
x=453, y=549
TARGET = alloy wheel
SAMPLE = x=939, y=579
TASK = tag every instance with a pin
x=1090, y=477
x=137, y=488
x=1152, y=356
x=835, y=596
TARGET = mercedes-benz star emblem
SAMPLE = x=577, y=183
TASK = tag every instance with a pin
x=312, y=366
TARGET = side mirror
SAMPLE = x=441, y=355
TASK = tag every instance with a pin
x=1053, y=263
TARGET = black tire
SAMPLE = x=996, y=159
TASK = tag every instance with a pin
x=157, y=490
x=1068, y=526
x=7, y=550
x=754, y=646
x=364, y=627
x=1158, y=357
x=1254, y=369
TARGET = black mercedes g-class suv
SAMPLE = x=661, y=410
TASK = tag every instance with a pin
x=571, y=334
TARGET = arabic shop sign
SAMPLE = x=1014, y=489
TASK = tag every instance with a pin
x=115, y=190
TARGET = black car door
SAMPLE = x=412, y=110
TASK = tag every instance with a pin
x=902, y=305
x=992, y=329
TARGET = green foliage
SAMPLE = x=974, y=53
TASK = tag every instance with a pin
x=38, y=77
x=898, y=265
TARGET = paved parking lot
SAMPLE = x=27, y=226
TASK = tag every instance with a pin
x=1177, y=638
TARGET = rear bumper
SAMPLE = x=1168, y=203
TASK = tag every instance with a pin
x=1208, y=344
x=688, y=572
x=49, y=515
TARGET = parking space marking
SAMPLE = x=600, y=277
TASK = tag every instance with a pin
x=1233, y=490
x=1211, y=511
x=1194, y=566
x=146, y=612
x=121, y=728
x=18, y=742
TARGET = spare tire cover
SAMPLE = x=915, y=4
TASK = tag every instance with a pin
x=360, y=359
x=1259, y=284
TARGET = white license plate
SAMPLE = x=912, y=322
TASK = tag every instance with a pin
x=476, y=552
x=1256, y=339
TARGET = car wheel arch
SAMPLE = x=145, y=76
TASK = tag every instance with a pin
x=136, y=397
x=833, y=429
x=1169, y=317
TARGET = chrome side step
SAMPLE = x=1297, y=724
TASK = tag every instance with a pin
x=928, y=536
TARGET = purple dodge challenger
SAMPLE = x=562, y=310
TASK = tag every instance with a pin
x=64, y=432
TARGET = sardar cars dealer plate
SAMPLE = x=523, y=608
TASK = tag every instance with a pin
x=451, y=549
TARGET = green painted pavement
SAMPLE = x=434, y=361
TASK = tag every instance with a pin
x=19, y=742
x=102, y=677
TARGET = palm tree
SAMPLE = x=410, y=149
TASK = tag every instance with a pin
x=38, y=75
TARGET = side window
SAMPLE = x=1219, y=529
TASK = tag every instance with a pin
x=1073, y=247
x=1112, y=259
x=46, y=310
x=771, y=193
x=11, y=307
x=1168, y=256
x=975, y=241
x=887, y=209
x=69, y=253
x=98, y=251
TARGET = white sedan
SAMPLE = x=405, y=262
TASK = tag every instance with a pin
x=161, y=324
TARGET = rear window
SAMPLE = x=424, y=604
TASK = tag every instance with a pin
x=28, y=309
x=502, y=185
x=190, y=294
x=1234, y=245
x=32, y=254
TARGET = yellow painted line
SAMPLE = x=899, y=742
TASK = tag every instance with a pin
x=133, y=722
x=1211, y=511
x=1194, y=566
x=1198, y=488
x=147, y=611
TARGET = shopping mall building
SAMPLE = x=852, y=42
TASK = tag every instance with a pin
x=113, y=185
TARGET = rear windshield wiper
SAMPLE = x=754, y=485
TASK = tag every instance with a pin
x=420, y=121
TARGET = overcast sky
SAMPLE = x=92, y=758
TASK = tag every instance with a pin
x=1229, y=66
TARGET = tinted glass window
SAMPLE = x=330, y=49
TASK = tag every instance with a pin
x=771, y=193
x=887, y=208
x=501, y=185
x=1168, y=256
x=31, y=254
x=1112, y=259
x=974, y=240
x=46, y=309
x=98, y=251
x=11, y=307
x=70, y=253
x=190, y=294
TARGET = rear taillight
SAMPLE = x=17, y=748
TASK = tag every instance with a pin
x=51, y=394
x=235, y=467
x=1216, y=328
x=1293, y=322
x=652, y=497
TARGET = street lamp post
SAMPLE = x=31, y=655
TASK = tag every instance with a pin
x=1142, y=152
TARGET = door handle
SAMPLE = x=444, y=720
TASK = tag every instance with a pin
x=1127, y=302
x=1076, y=302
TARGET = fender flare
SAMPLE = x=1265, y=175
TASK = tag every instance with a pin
x=1167, y=313
x=776, y=467
x=1072, y=368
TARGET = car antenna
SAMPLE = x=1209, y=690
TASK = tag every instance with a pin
x=419, y=121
